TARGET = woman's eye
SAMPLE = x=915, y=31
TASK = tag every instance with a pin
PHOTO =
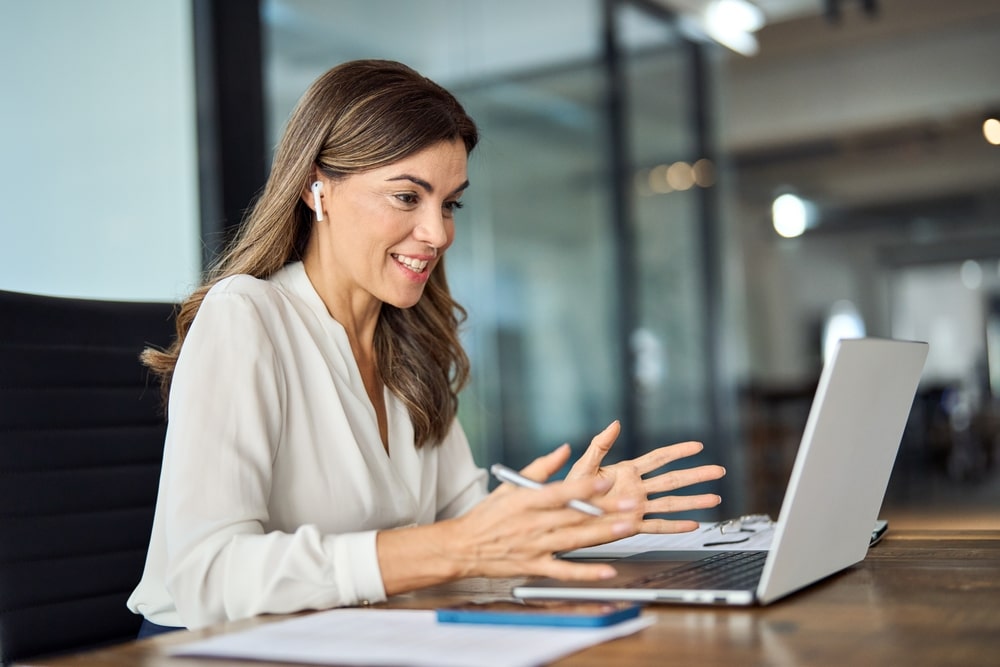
x=407, y=198
x=452, y=206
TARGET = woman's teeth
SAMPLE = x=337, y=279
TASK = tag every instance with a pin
x=415, y=265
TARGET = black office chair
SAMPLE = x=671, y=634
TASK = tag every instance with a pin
x=81, y=440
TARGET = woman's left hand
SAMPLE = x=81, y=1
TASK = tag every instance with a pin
x=628, y=480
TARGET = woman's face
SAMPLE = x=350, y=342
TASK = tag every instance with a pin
x=387, y=228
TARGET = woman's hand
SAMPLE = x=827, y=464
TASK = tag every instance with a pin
x=513, y=532
x=516, y=531
x=628, y=480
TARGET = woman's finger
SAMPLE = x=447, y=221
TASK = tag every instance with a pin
x=589, y=464
x=545, y=466
x=671, y=504
x=588, y=533
x=678, y=479
x=668, y=526
x=557, y=495
x=541, y=468
x=572, y=571
x=517, y=501
x=665, y=455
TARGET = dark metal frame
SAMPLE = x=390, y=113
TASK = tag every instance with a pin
x=623, y=222
x=232, y=158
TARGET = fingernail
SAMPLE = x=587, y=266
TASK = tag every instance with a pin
x=718, y=500
x=608, y=573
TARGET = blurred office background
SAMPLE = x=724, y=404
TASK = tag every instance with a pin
x=668, y=222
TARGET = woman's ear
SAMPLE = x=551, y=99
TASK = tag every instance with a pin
x=315, y=197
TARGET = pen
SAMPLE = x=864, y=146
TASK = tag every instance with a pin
x=505, y=474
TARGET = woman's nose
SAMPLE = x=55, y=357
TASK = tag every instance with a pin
x=433, y=229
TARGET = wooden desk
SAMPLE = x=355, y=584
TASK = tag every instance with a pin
x=920, y=598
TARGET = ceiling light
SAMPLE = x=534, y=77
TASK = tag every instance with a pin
x=680, y=176
x=704, y=172
x=791, y=215
x=991, y=130
x=734, y=15
x=732, y=24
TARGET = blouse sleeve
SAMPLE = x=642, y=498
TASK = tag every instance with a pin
x=461, y=484
x=225, y=422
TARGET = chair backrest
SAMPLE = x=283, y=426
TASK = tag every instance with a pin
x=81, y=441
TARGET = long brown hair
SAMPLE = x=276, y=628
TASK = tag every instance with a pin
x=357, y=116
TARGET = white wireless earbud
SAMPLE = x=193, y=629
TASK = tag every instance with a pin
x=317, y=202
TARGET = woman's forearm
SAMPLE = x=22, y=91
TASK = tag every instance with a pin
x=416, y=557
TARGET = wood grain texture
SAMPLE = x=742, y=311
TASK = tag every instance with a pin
x=922, y=597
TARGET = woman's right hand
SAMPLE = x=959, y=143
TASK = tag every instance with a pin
x=516, y=531
x=512, y=532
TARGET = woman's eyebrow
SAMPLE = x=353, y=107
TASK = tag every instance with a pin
x=424, y=184
x=413, y=179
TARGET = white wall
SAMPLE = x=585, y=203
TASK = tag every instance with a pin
x=98, y=177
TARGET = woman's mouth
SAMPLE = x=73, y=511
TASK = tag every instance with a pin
x=412, y=263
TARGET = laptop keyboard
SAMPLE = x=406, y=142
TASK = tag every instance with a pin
x=726, y=570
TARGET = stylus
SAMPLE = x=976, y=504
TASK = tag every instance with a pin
x=505, y=474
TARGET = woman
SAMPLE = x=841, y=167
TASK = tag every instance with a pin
x=313, y=458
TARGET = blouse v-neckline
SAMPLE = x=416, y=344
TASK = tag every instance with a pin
x=294, y=277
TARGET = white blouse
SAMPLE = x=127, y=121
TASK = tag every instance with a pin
x=274, y=479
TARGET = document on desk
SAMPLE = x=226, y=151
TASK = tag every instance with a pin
x=403, y=638
x=707, y=537
x=752, y=532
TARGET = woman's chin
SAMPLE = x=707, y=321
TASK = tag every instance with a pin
x=404, y=301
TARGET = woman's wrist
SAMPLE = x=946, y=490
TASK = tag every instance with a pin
x=418, y=556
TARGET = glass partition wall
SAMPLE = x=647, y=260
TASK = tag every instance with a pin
x=535, y=266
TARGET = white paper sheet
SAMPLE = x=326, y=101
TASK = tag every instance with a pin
x=707, y=537
x=404, y=638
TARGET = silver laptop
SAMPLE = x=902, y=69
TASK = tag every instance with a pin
x=832, y=501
